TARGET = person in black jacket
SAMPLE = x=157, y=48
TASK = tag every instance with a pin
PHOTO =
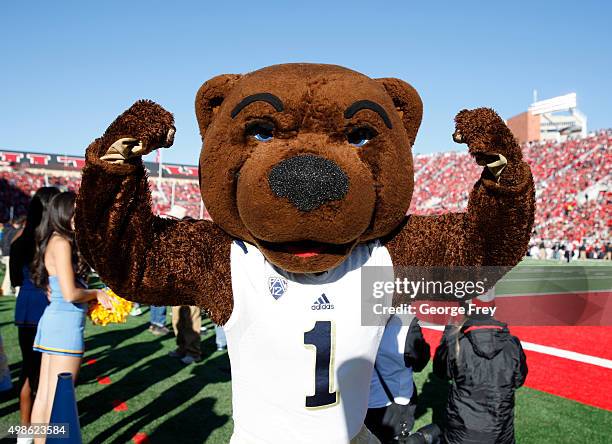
x=486, y=365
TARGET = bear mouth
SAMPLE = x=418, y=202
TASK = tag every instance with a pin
x=307, y=249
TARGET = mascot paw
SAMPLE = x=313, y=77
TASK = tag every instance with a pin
x=143, y=128
x=488, y=138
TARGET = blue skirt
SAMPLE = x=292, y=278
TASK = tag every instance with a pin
x=31, y=302
x=61, y=332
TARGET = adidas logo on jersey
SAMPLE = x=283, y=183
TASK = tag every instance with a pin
x=322, y=304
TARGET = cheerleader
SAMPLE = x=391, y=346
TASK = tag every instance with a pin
x=58, y=268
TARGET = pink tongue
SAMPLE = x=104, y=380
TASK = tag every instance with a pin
x=301, y=252
x=308, y=254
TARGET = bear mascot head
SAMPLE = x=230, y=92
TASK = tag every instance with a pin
x=305, y=161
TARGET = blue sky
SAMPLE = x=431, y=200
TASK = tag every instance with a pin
x=68, y=68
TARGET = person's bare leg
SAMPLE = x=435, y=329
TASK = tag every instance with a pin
x=59, y=364
x=40, y=402
x=55, y=365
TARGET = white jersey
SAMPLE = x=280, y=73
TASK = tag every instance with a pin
x=301, y=361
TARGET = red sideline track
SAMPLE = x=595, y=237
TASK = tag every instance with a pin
x=585, y=383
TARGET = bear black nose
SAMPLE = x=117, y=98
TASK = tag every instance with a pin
x=308, y=181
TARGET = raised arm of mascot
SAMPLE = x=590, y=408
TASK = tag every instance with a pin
x=496, y=227
x=141, y=256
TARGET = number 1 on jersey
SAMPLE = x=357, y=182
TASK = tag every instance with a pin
x=322, y=338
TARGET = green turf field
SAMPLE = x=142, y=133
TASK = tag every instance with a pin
x=173, y=403
x=548, y=276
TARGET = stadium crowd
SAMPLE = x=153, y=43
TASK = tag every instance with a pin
x=572, y=187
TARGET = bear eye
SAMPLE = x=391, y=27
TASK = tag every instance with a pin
x=260, y=130
x=360, y=135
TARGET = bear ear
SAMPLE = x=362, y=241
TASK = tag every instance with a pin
x=407, y=102
x=210, y=96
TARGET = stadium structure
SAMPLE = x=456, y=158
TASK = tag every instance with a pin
x=553, y=119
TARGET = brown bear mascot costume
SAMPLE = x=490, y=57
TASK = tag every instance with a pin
x=307, y=172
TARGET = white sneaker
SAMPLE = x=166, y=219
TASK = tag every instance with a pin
x=25, y=440
x=136, y=311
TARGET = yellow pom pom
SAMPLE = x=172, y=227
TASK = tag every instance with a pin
x=100, y=315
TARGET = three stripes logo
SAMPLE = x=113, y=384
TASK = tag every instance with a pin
x=322, y=303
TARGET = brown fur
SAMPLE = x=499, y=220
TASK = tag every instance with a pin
x=170, y=262
x=140, y=256
x=496, y=228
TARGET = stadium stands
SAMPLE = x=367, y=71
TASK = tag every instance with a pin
x=572, y=186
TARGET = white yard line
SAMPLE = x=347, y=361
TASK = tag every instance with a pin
x=553, y=351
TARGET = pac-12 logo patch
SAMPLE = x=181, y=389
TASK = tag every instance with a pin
x=277, y=286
